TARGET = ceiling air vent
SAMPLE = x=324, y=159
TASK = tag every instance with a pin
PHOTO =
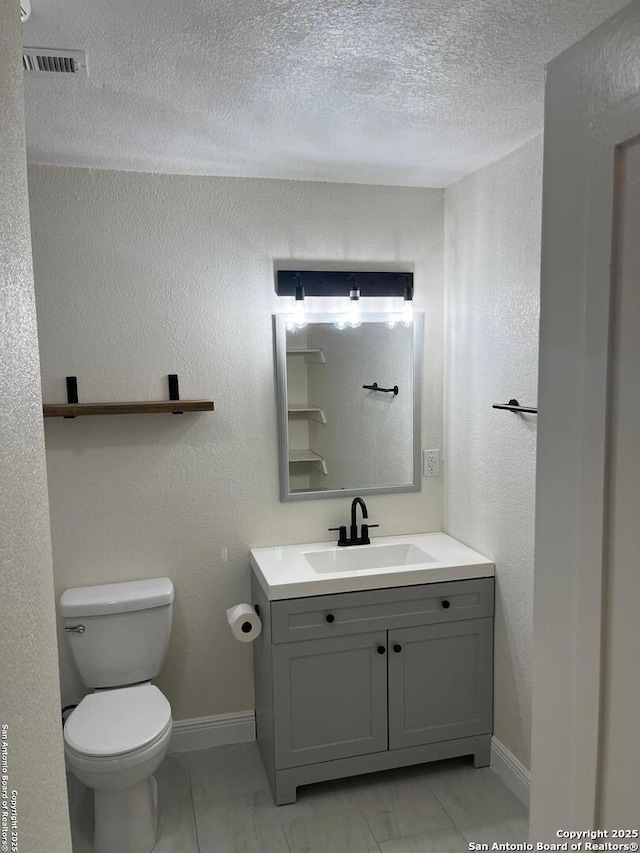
x=43, y=60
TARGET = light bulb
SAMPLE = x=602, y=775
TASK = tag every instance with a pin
x=341, y=323
x=407, y=313
x=299, y=317
x=354, y=317
x=406, y=317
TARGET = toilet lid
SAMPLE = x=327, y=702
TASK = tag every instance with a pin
x=112, y=722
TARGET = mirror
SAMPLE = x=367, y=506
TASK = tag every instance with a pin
x=336, y=436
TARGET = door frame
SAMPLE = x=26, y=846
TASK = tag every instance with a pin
x=592, y=107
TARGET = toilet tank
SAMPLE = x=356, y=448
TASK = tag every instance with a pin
x=118, y=633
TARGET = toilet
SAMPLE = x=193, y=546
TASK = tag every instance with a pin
x=117, y=736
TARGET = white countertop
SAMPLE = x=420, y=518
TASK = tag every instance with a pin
x=284, y=571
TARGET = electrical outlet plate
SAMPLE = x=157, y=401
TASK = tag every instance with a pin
x=431, y=463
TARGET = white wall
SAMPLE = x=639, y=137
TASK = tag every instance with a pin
x=141, y=275
x=29, y=687
x=492, y=228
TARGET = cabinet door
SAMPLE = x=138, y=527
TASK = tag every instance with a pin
x=440, y=682
x=330, y=698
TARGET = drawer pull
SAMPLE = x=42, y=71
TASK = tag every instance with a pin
x=446, y=604
x=381, y=650
x=329, y=617
x=397, y=648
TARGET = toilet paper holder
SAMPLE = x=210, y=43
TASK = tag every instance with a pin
x=244, y=621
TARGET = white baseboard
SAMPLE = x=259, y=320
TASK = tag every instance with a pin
x=218, y=730
x=512, y=771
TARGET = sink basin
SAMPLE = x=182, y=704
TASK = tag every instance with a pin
x=362, y=557
x=324, y=568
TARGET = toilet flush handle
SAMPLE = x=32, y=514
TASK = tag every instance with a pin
x=77, y=629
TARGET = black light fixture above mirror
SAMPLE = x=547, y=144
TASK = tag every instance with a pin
x=352, y=285
x=334, y=283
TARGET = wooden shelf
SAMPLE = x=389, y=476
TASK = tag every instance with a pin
x=313, y=356
x=156, y=407
x=309, y=410
x=296, y=456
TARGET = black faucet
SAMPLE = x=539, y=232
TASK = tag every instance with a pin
x=353, y=538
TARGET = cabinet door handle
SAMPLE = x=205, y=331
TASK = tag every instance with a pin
x=397, y=648
x=381, y=650
x=446, y=604
x=329, y=617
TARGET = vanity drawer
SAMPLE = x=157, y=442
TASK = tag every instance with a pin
x=322, y=616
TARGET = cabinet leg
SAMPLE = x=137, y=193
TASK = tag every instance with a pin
x=482, y=755
x=285, y=793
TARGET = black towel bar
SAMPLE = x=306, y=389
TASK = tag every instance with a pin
x=375, y=387
x=514, y=406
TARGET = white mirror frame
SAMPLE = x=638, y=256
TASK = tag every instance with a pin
x=280, y=336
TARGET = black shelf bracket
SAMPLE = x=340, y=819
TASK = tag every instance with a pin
x=514, y=406
x=72, y=393
x=174, y=390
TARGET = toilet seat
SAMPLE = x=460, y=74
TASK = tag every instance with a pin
x=116, y=722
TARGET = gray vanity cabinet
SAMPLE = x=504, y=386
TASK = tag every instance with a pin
x=440, y=682
x=362, y=681
x=330, y=698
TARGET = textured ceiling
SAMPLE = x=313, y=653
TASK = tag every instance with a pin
x=409, y=92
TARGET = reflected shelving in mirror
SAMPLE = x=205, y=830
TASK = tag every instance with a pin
x=308, y=410
x=312, y=356
x=307, y=456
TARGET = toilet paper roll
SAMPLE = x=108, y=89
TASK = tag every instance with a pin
x=244, y=622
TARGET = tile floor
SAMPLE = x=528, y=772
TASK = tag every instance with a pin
x=218, y=801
